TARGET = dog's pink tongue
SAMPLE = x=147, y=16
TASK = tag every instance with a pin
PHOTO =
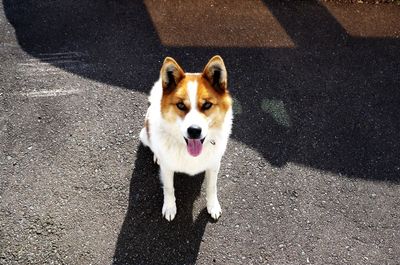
x=194, y=147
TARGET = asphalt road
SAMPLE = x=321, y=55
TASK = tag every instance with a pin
x=312, y=171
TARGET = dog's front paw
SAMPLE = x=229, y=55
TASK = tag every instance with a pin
x=214, y=209
x=169, y=211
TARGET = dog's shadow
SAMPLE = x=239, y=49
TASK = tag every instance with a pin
x=146, y=237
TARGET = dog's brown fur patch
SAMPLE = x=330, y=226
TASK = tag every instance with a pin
x=205, y=92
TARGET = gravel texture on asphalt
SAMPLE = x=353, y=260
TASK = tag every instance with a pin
x=311, y=174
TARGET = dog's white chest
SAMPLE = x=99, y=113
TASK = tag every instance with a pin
x=178, y=159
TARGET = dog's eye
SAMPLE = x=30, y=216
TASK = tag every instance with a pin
x=206, y=105
x=181, y=106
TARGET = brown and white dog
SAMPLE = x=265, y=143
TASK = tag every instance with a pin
x=187, y=127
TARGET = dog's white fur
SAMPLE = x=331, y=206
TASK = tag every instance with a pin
x=169, y=148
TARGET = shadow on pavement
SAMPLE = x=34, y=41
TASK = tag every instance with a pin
x=330, y=102
x=146, y=237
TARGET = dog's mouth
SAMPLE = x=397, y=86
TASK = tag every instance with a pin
x=194, y=146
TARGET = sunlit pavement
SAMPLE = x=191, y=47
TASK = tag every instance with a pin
x=312, y=171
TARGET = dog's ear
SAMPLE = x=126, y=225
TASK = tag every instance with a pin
x=171, y=74
x=215, y=73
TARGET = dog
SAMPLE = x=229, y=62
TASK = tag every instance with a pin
x=187, y=127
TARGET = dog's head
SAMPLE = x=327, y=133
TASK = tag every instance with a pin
x=196, y=103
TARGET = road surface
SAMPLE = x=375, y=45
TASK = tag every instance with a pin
x=311, y=174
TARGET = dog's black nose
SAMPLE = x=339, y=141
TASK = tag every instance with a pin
x=194, y=132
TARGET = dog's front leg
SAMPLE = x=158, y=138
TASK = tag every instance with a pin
x=213, y=206
x=169, y=206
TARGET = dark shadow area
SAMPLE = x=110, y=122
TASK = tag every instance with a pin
x=115, y=38
x=339, y=92
x=146, y=237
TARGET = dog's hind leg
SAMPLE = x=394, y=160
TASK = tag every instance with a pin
x=155, y=160
x=143, y=137
x=145, y=140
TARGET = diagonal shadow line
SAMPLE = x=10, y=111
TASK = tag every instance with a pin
x=328, y=33
x=323, y=30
